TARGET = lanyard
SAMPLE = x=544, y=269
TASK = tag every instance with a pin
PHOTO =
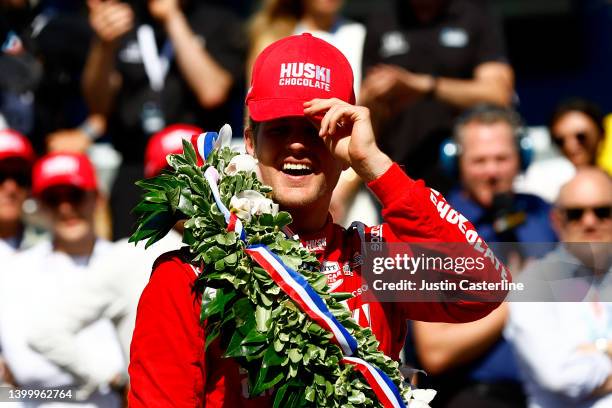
x=156, y=65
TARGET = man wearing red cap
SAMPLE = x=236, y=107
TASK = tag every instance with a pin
x=304, y=129
x=115, y=285
x=16, y=159
x=50, y=272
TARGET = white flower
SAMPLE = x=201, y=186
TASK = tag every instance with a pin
x=420, y=397
x=250, y=202
x=242, y=162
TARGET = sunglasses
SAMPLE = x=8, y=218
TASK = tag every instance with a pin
x=55, y=197
x=560, y=141
x=22, y=178
x=576, y=214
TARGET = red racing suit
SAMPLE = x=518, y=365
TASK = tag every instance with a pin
x=169, y=366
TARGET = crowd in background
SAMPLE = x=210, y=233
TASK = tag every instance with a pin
x=94, y=95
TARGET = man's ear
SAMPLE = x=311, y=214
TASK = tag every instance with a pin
x=249, y=141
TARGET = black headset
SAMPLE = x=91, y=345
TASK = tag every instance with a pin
x=450, y=148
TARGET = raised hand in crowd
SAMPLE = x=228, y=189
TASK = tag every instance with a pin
x=110, y=19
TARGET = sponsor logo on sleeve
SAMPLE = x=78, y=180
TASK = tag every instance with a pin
x=453, y=217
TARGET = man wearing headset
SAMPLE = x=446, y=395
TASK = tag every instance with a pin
x=489, y=156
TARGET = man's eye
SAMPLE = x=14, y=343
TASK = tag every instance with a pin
x=278, y=130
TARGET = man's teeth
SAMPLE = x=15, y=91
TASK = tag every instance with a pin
x=293, y=166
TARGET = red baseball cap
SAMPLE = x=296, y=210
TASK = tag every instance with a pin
x=294, y=70
x=165, y=142
x=15, y=145
x=63, y=169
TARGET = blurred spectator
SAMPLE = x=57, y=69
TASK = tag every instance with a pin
x=16, y=159
x=114, y=285
x=44, y=49
x=605, y=157
x=158, y=62
x=489, y=157
x=564, y=348
x=471, y=364
x=424, y=62
x=576, y=127
x=50, y=273
x=280, y=18
x=21, y=72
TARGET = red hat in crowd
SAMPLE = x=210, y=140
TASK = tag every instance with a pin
x=63, y=169
x=15, y=145
x=165, y=142
x=294, y=70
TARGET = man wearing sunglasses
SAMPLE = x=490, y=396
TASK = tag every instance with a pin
x=50, y=272
x=16, y=159
x=564, y=343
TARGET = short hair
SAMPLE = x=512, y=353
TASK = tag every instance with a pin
x=581, y=105
x=488, y=114
x=253, y=124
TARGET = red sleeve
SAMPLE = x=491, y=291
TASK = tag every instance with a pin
x=414, y=213
x=167, y=350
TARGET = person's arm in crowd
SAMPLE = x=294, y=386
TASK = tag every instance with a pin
x=54, y=334
x=492, y=82
x=209, y=81
x=78, y=139
x=536, y=334
x=6, y=377
x=443, y=346
x=110, y=20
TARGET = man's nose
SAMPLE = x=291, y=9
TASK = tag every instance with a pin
x=299, y=139
x=571, y=144
x=589, y=218
x=491, y=170
x=65, y=207
x=9, y=184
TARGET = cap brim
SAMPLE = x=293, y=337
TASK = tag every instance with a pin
x=71, y=181
x=270, y=109
x=14, y=155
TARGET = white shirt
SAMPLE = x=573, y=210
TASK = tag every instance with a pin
x=546, y=337
x=34, y=282
x=8, y=247
x=112, y=290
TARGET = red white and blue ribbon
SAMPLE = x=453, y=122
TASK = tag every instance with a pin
x=233, y=222
x=205, y=143
x=300, y=291
x=381, y=384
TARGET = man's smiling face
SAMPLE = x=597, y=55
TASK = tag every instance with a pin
x=294, y=161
